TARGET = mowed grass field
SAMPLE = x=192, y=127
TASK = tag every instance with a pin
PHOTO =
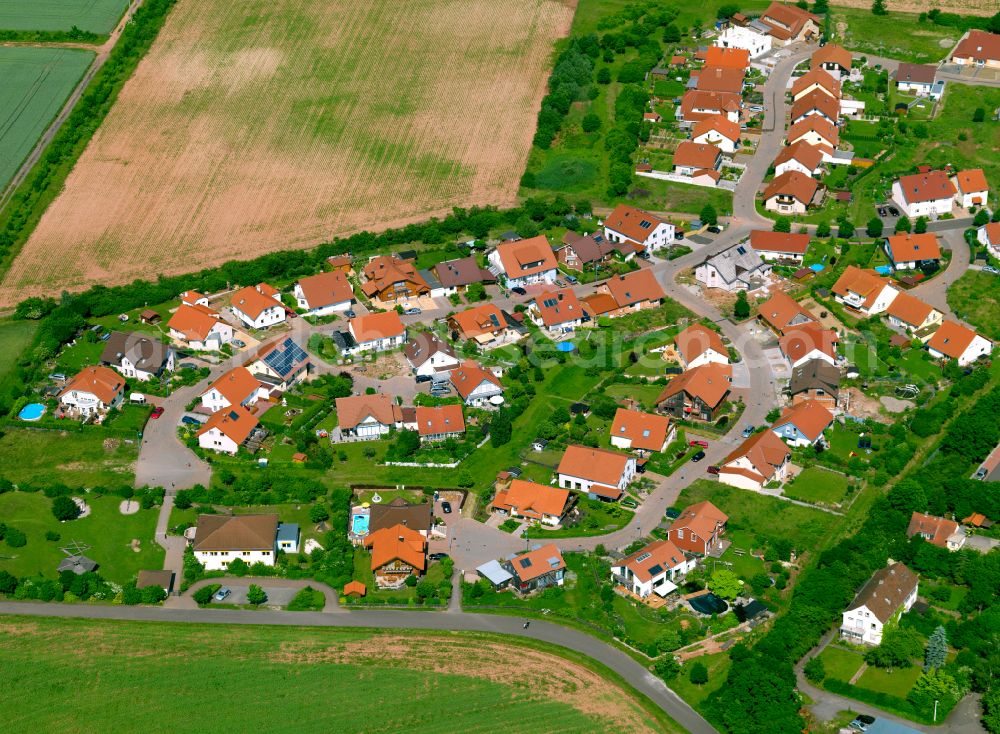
x=161, y=677
x=14, y=339
x=34, y=84
x=97, y=16
x=259, y=125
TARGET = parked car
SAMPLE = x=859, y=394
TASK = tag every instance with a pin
x=423, y=378
x=862, y=722
x=713, y=469
x=349, y=313
x=187, y=366
x=446, y=507
x=519, y=290
x=222, y=594
x=291, y=313
x=698, y=442
x=157, y=412
x=699, y=456
x=412, y=312
x=572, y=280
x=644, y=255
x=678, y=235
x=715, y=229
x=981, y=474
x=990, y=269
x=748, y=431
x=188, y=420
x=673, y=513
x=560, y=283
x=437, y=556
x=58, y=377
x=239, y=343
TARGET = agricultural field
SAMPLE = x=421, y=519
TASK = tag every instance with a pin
x=270, y=125
x=36, y=83
x=426, y=682
x=97, y=16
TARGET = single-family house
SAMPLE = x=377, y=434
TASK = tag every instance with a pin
x=415, y=516
x=789, y=23
x=699, y=528
x=782, y=312
x=971, y=188
x=833, y=59
x=440, y=422
x=864, y=291
x=368, y=417
x=937, y=531
x=801, y=344
x=784, y=247
x=397, y=553
x=628, y=224
x=989, y=235
x=199, y=327
x=430, y=356
x=137, y=356
x=557, y=311
x=635, y=291
x=652, y=569
x=720, y=79
x=743, y=38
x=690, y=159
x=924, y=194
x=525, y=262
x=761, y=459
x=377, y=332
x=457, y=275
x=816, y=380
x=790, y=193
x=578, y=252
x=802, y=157
x=727, y=58
x=889, y=593
x=389, y=278
x=486, y=325
x=227, y=429
x=803, y=424
x=93, y=391
x=718, y=131
x=533, y=501
x=697, y=104
x=281, y=364
x=916, y=79
x=342, y=263
x=815, y=130
x=698, y=393
x=954, y=341
x=737, y=268
x=978, y=48
x=476, y=386
x=697, y=345
x=221, y=539
x=194, y=298
x=598, y=473
x=237, y=387
x=258, y=307
x=634, y=430
x=909, y=251
x=816, y=80
x=537, y=569
x=324, y=294
x=910, y=313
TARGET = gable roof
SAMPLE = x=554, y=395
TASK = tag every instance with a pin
x=831, y=53
x=529, y=566
x=354, y=409
x=234, y=422
x=373, y=326
x=885, y=591
x=907, y=247
x=709, y=383
x=930, y=186
x=971, y=181
x=400, y=512
x=728, y=58
x=938, y=528
x=916, y=73
x=909, y=309
x=195, y=322
x=397, y=543
x=469, y=376
x=635, y=224
x=284, y=357
x=652, y=560
x=424, y=345
x=817, y=76
x=462, y=272
x=786, y=21
x=697, y=339
x=810, y=416
x=235, y=532
x=765, y=452
x=794, y=184
x=647, y=431
x=951, y=339
x=718, y=102
x=717, y=123
x=635, y=287
x=697, y=155
x=254, y=300
x=326, y=289
x=978, y=45
x=384, y=271
x=867, y=284
x=782, y=311
x=798, y=341
x=236, y=385
x=814, y=124
x=191, y=298
x=485, y=318
x=785, y=242
x=146, y=354
x=815, y=374
x=526, y=257
x=702, y=518
x=816, y=100
x=98, y=380
x=439, y=419
x=558, y=307
x=595, y=465
x=597, y=304
x=721, y=79
x=992, y=232
x=532, y=499
x=809, y=155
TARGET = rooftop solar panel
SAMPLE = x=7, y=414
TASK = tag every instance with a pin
x=285, y=356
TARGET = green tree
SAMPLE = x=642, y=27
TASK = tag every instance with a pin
x=153, y=594
x=782, y=224
x=823, y=229
x=500, y=428
x=920, y=226
x=238, y=567
x=899, y=647
x=256, y=595
x=590, y=123
x=742, y=308
x=814, y=669
x=671, y=34
x=698, y=674
x=15, y=538
x=845, y=228
x=937, y=649
x=879, y=8
x=407, y=444
x=874, y=228
x=903, y=224
x=709, y=215
x=820, y=7
x=204, y=595
x=475, y=292
x=666, y=668
x=604, y=75
x=319, y=513
x=981, y=218
x=64, y=508
x=724, y=583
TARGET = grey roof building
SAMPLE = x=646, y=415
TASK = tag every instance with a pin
x=130, y=352
x=816, y=374
x=739, y=267
x=462, y=272
x=77, y=564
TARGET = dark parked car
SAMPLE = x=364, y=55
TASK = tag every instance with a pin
x=519, y=291
x=713, y=469
x=437, y=556
x=424, y=378
x=349, y=313
x=715, y=229
x=894, y=211
x=190, y=421
x=862, y=722
x=446, y=507
x=673, y=513
x=699, y=456
x=748, y=431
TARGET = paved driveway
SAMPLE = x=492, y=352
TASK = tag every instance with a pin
x=276, y=595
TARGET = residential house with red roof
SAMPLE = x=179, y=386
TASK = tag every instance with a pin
x=93, y=392
x=476, y=386
x=457, y=275
x=397, y=553
x=720, y=79
x=698, y=345
x=800, y=344
x=533, y=501
x=761, y=459
x=697, y=104
x=227, y=429
x=971, y=188
x=802, y=157
x=924, y=194
x=258, y=307
x=978, y=48
x=718, y=131
x=628, y=224
x=557, y=312
x=324, y=294
x=783, y=247
x=194, y=298
x=525, y=262
x=634, y=430
x=440, y=422
x=937, y=531
x=697, y=159
x=389, y=278
x=816, y=103
x=782, y=312
x=652, y=569
x=237, y=387
x=954, y=341
x=909, y=251
x=367, y=417
x=989, y=235
x=789, y=23
x=699, y=528
x=790, y=193
x=598, y=473
x=697, y=394
x=727, y=58
x=635, y=291
x=537, y=569
x=910, y=313
x=815, y=130
x=816, y=81
x=888, y=594
x=864, y=291
x=486, y=325
x=803, y=424
x=221, y=539
x=199, y=327
x=376, y=332
x=833, y=59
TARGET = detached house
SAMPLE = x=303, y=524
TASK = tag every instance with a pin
x=790, y=193
x=816, y=380
x=801, y=344
x=486, y=325
x=756, y=44
x=557, y=312
x=697, y=105
x=910, y=251
x=598, y=473
x=803, y=424
x=634, y=430
x=237, y=387
x=718, y=131
x=536, y=569
x=475, y=385
x=389, y=278
x=324, y=294
x=978, y=48
x=761, y=459
x=916, y=79
x=802, y=157
x=727, y=58
x=782, y=312
x=525, y=262
x=815, y=130
x=817, y=102
x=628, y=224
x=258, y=307
x=910, y=313
x=377, y=332
x=696, y=159
x=698, y=394
x=94, y=391
x=652, y=569
x=782, y=247
x=971, y=188
x=736, y=269
x=635, y=291
x=397, y=553
x=864, y=291
x=137, y=356
x=199, y=327
x=221, y=539
x=889, y=593
x=954, y=341
x=227, y=429
x=698, y=345
x=579, y=252
x=430, y=356
x=439, y=423
x=789, y=23
x=368, y=417
x=457, y=275
x=194, y=298
x=833, y=59
x=816, y=80
x=547, y=505
x=924, y=194
x=936, y=531
x=989, y=235
x=281, y=364
x=720, y=79
x=699, y=528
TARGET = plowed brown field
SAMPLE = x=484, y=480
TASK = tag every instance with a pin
x=256, y=126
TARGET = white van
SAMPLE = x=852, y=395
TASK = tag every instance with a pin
x=137, y=398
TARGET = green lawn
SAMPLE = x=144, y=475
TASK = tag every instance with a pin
x=897, y=35
x=36, y=83
x=645, y=394
x=816, y=484
x=718, y=668
x=15, y=336
x=106, y=530
x=367, y=680
x=975, y=297
x=844, y=440
x=130, y=418
x=76, y=459
x=839, y=663
x=897, y=683
x=97, y=16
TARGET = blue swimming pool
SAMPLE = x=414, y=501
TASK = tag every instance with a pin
x=31, y=412
x=565, y=346
x=817, y=268
x=359, y=524
x=883, y=269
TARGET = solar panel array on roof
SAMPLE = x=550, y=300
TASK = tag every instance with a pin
x=741, y=250
x=284, y=357
x=525, y=562
x=645, y=224
x=653, y=570
x=549, y=302
x=494, y=320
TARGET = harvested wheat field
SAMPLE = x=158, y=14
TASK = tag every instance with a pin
x=964, y=7
x=258, y=126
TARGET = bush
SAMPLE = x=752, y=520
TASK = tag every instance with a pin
x=153, y=594
x=590, y=123
x=256, y=595
x=307, y=599
x=203, y=595
x=698, y=674
x=15, y=538
x=814, y=669
x=64, y=508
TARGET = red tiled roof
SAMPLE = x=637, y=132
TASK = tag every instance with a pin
x=930, y=186
x=805, y=153
x=647, y=431
x=715, y=102
x=660, y=554
x=518, y=257
x=236, y=385
x=831, y=53
x=938, y=528
x=720, y=79
x=532, y=499
x=469, y=376
x=978, y=46
x=697, y=339
x=234, y=422
x=710, y=383
x=254, y=300
x=792, y=183
x=372, y=326
x=440, y=419
x=98, y=380
x=816, y=100
x=951, y=339
x=326, y=289
x=817, y=76
x=195, y=322
x=354, y=409
x=908, y=247
x=397, y=543
x=702, y=518
x=717, y=123
x=814, y=124
x=635, y=287
x=785, y=242
x=533, y=564
x=798, y=341
x=765, y=451
x=728, y=58
x=558, y=307
x=595, y=465
x=697, y=155
x=810, y=416
x=971, y=181
x=866, y=283
x=781, y=309
x=635, y=224
x=909, y=309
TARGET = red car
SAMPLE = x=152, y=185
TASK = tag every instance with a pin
x=698, y=442
x=157, y=412
x=713, y=470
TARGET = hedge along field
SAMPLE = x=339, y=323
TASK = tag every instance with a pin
x=168, y=676
x=268, y=125
x=97, y=16
x=35, y=84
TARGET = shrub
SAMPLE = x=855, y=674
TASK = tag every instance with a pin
x=814, y=669
x=15, y=538
x=256, y=595
x=204, y=595
x=590, y=123
x=698, y=674
x=64, y=508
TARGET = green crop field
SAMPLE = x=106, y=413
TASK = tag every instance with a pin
x=97, y=16
x=133, y=676
x=36, y=83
